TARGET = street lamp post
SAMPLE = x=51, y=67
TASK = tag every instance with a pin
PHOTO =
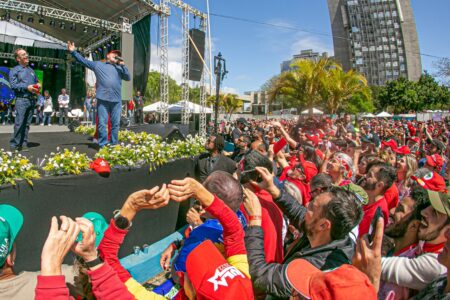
x=220, y=70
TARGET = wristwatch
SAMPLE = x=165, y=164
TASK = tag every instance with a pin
x=120, y=221
x=93, y=263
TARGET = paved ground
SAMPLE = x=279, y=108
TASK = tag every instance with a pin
x=35, y=129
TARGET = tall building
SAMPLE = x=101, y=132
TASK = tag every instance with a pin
x=378, y=38
x=304, y=54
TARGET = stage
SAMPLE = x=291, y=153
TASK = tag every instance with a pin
x=75, y=195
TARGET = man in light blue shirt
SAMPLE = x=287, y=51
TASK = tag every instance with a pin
x=109, y=76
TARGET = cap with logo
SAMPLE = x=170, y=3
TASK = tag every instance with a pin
x=101, y=167
x=437, y=191
x=11, y=221
x=214, y=278
x=100, y=226
x=345, y=282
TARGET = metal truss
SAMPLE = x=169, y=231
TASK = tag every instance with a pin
x=185, y=113
x=202, y=125
x=164, y=61
x=190, y=9
x=49, y=60
x=152, y=5
x=97, y=44
x=68, y=73
x=64, y=15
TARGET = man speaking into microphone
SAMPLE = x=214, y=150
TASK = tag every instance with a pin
x=109, y=76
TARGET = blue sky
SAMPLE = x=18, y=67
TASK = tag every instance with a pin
x=254, y=52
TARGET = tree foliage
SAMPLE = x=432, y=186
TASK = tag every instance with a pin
x=402, y=95
x=228, y=103
x=152, y=92
x=321, y=83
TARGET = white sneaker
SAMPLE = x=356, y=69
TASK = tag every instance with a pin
x=49, y=124
x=42, y=124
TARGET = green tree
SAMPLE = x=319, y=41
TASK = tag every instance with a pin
x=303, y=84
x=152, y=92
x=338, y=87
x=228, y=103
x=358, y=103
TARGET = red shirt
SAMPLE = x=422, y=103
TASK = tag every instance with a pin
x=272, y=225
x=369, y=212
x=391, y=196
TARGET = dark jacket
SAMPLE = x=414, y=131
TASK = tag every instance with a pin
x=271, y=278
x=222, y=163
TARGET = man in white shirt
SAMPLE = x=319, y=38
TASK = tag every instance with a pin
x=63, y=102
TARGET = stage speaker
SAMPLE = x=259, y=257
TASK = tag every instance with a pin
x=166, y=131
x=195, y=62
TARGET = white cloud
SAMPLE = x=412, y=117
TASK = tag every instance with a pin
x=229, y=90
x=304, y=41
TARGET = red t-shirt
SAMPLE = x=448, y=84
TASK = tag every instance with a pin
x=391, y=196
x=369, y=212
x=272, y=225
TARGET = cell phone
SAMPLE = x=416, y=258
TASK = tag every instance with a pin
x=373, y=224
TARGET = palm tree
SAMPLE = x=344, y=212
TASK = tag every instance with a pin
x=229, y=103
x=339, y=86
x=303, y=84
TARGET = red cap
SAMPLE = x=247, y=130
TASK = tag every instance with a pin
x=435, y=160
x=101, y=167
x=403, y=150
x=309, y=169
x=214, y=278
x=345, y=282
x=432, y=181
x=415, y=139
x=390, y=143
x=117, y=52
x=313, y=138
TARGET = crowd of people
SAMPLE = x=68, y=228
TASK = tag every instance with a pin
x=309, y=209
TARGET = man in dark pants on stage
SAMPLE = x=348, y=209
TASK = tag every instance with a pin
x=25, y=85
x=109, y=76
x=139, y=109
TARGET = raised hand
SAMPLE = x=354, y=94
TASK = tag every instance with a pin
x=181, y=190
x=86, y=248
x=57, y=245
x=70, y=46
x=367, y=256
x=253, y=207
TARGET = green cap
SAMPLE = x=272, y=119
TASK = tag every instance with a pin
x=100, y=226
x=11, y=221
x=359, y=192
x=440, y=201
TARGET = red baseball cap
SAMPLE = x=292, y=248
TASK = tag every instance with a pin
x=213, y=277
x=117, y=52
x=435, y=160
x=309, y=169
x=101, y=167
x=432, y=181
x=313, y=138
x=390, y=143
x=415, y=139
x=403, y=150
x=345, y=282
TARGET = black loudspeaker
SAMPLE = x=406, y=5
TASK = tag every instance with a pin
x=168, y=131
x=73, y=123
x=195, y=62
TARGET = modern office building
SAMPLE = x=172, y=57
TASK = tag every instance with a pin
x=304, y=54
x=378, y=38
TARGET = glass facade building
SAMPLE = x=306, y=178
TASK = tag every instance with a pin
x=377, y=38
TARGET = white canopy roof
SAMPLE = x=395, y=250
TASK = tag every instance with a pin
x=176, y=108
x=13, y=34
x=384, y=115
x=369, y=115
x=315, y=112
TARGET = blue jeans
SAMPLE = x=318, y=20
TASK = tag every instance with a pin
x=24, y=115
x=47, y=118
x=105, y=108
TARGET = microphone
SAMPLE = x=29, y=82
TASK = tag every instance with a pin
x=119, y=58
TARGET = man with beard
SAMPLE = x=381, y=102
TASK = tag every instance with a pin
x=416, y=273
x=403, y=229
x=214, y=160
x=378, y=180
x=241, y=148
x=326, y=222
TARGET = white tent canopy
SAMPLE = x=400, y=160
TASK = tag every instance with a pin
x=177, y=108
x=13, y=34
x=369, y=115
x=384, y=115
x=315, y=112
